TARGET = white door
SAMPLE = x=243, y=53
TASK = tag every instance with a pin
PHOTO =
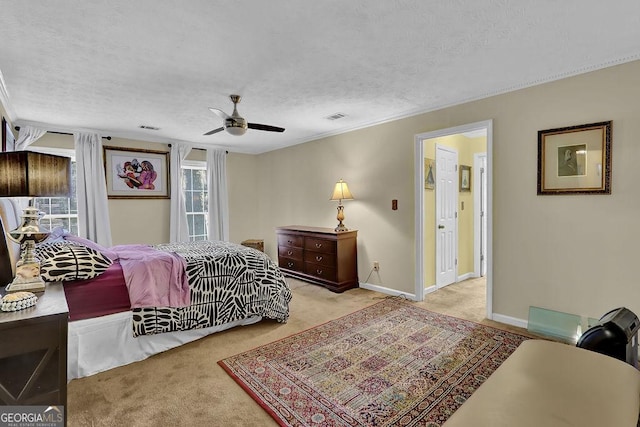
x=446, y=215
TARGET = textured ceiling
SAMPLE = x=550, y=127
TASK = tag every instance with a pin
x=114, y=65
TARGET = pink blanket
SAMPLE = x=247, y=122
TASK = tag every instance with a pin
x=154, y=278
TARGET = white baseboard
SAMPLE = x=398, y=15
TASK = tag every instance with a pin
x=430, y=289
x=387, y=291
x=508, y=320
x=513, y=321
x=466, y=276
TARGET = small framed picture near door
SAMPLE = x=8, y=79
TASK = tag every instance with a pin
x=465, y=178
x=429, y=174
x=575, y=159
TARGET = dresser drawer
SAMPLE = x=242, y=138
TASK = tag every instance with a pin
x=320, y=245
x=326, y=259
x=290, y=252
x=319, y=255
x=290, y=264
x=320, y=271
x=291, y=240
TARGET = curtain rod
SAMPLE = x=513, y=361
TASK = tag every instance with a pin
x=104, y=137
x=201, y=149
x=62, y=133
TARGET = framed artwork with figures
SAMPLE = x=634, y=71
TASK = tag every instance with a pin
x=133, y=173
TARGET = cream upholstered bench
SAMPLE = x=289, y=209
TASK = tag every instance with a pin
x=551, y=384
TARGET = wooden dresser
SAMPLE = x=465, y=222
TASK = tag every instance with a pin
x=33, y=352
x=319, y=255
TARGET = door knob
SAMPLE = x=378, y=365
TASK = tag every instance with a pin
x=440, y=226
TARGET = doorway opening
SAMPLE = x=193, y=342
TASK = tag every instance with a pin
x=453, y=208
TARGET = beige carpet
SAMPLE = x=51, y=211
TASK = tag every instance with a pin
x=186, y=387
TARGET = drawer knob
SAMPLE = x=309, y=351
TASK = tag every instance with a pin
x=289, y=253
x=289, y=241
x=319, y=272
x=318, y=258
x=318, y=245
x=289, y=264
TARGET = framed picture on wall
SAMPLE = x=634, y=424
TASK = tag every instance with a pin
x=429, y=174
x=133, y=173
x=465, y=178
x=575, y=159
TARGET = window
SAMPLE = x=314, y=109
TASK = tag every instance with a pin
x=60, y=211
x=196, y=195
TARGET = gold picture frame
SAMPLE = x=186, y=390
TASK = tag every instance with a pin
x=465, y=178
x=575, y=159
x=138, y=174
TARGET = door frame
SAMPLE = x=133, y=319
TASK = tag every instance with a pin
x=477, y=219
x=419, y=204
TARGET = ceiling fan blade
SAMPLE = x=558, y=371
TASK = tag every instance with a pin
x=258, y=126
x=219, y=112
x=211, y=132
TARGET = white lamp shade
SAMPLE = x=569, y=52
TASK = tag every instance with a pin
x=341, y=192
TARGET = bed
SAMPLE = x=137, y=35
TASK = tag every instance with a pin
x=115, y=318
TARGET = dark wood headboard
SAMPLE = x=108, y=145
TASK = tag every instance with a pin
x=9, y=219
x=6, y=272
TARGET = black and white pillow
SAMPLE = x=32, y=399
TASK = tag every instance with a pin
x=61, y=261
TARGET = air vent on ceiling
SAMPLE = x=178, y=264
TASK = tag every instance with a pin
x=148, y=127
x=336, y=116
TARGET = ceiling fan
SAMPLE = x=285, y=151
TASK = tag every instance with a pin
x=236, y=125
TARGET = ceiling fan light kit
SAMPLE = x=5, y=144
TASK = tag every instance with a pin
x=236, y=125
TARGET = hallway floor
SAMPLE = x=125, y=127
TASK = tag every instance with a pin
x=466, y=299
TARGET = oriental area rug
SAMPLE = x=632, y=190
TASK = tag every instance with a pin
x=390, y=364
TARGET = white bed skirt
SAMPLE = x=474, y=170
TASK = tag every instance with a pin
x=106, y=342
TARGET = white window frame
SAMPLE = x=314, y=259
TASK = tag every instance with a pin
x=66, y=152
x=197, y=165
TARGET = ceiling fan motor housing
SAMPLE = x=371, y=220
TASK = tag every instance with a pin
x=235, y=125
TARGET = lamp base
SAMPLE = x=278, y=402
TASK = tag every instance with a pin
x=28, y=268
x=341, y=227
x=340, y=217
x=27, y=278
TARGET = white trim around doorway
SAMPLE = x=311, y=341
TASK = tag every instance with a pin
x=419, y=204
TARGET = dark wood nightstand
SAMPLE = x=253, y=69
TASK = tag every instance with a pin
x=33, y=352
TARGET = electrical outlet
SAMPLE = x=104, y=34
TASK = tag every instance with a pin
x=376, y=266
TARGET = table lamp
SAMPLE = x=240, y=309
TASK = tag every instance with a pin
x=341, y=192
x=31, y=174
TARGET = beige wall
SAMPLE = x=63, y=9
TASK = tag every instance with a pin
x=568, y=253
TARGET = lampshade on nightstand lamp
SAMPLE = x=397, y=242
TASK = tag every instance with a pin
x=341, y=192
x=31, y=174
